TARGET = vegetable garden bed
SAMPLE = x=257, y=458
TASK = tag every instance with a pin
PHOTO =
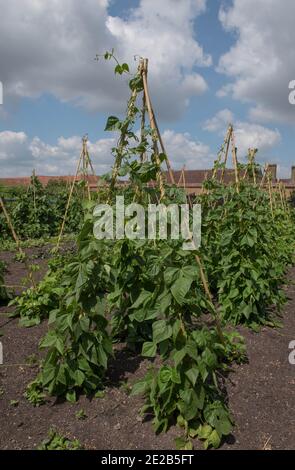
x=260, y=393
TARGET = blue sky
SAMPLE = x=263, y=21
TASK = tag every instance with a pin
x=41, y=123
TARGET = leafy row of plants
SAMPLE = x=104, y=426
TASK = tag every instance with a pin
x=36, y=302
x=38, y=211
x=247, y=249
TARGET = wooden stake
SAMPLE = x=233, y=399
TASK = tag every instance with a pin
x=85, y=161
x=153, y=127
x=264, y=176
x=17, y=242
x=152, y=117
x=184, y=185
x=69, y=201
x=253, y=165
x=235, y=160
x=181, y=178
x=229, y=132
x=34, y=191
x=9, y=222
x=270, y=194
x=143, y=155
x=222, y=150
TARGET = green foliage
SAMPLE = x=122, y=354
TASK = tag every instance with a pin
x=14, y=403
x=78, y=349
x=81, y=415
x=38, y=211
x=78, y=343
x=187, y=391
x=56, y=441
x=35, y=303
x=246, y=251
x=34, y=394
x=119, y=68
x=161, y=280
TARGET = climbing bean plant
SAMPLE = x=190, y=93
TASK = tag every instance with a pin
x=247, y=251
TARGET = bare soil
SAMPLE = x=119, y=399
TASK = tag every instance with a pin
x=261, y=393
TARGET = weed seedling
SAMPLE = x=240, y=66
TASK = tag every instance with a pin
x=81, y=415
x=56, y=441
x=14, y=403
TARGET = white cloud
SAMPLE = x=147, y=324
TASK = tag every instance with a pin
x=219, y=121
x=261, y=63
x=182, y=149
x=248, y=135
x=11, y=144
x=50, y=47
x=19, y=155
x=193, y=84
x=163, y=31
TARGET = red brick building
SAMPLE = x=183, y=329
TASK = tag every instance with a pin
x=192, y=181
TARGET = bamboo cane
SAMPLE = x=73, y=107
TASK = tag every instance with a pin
x=219, y=156
x=17, y=242
x=188, y=196
x=204, y=191
x=285, y=199
x=253, y=166
x=9, y=222
x=142, y=126
x=153, y=120
x=153, y=127
x=235, y=160
x=34, y=192
x=68, y=202
x=281, y=195
x=270, y=195
x=245, y=173
x=181, y=178
x=229, y=132
x=264, y=176
x=88, y=163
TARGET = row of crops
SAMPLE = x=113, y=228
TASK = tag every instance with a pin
x=37, y=211
x=179, y=307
